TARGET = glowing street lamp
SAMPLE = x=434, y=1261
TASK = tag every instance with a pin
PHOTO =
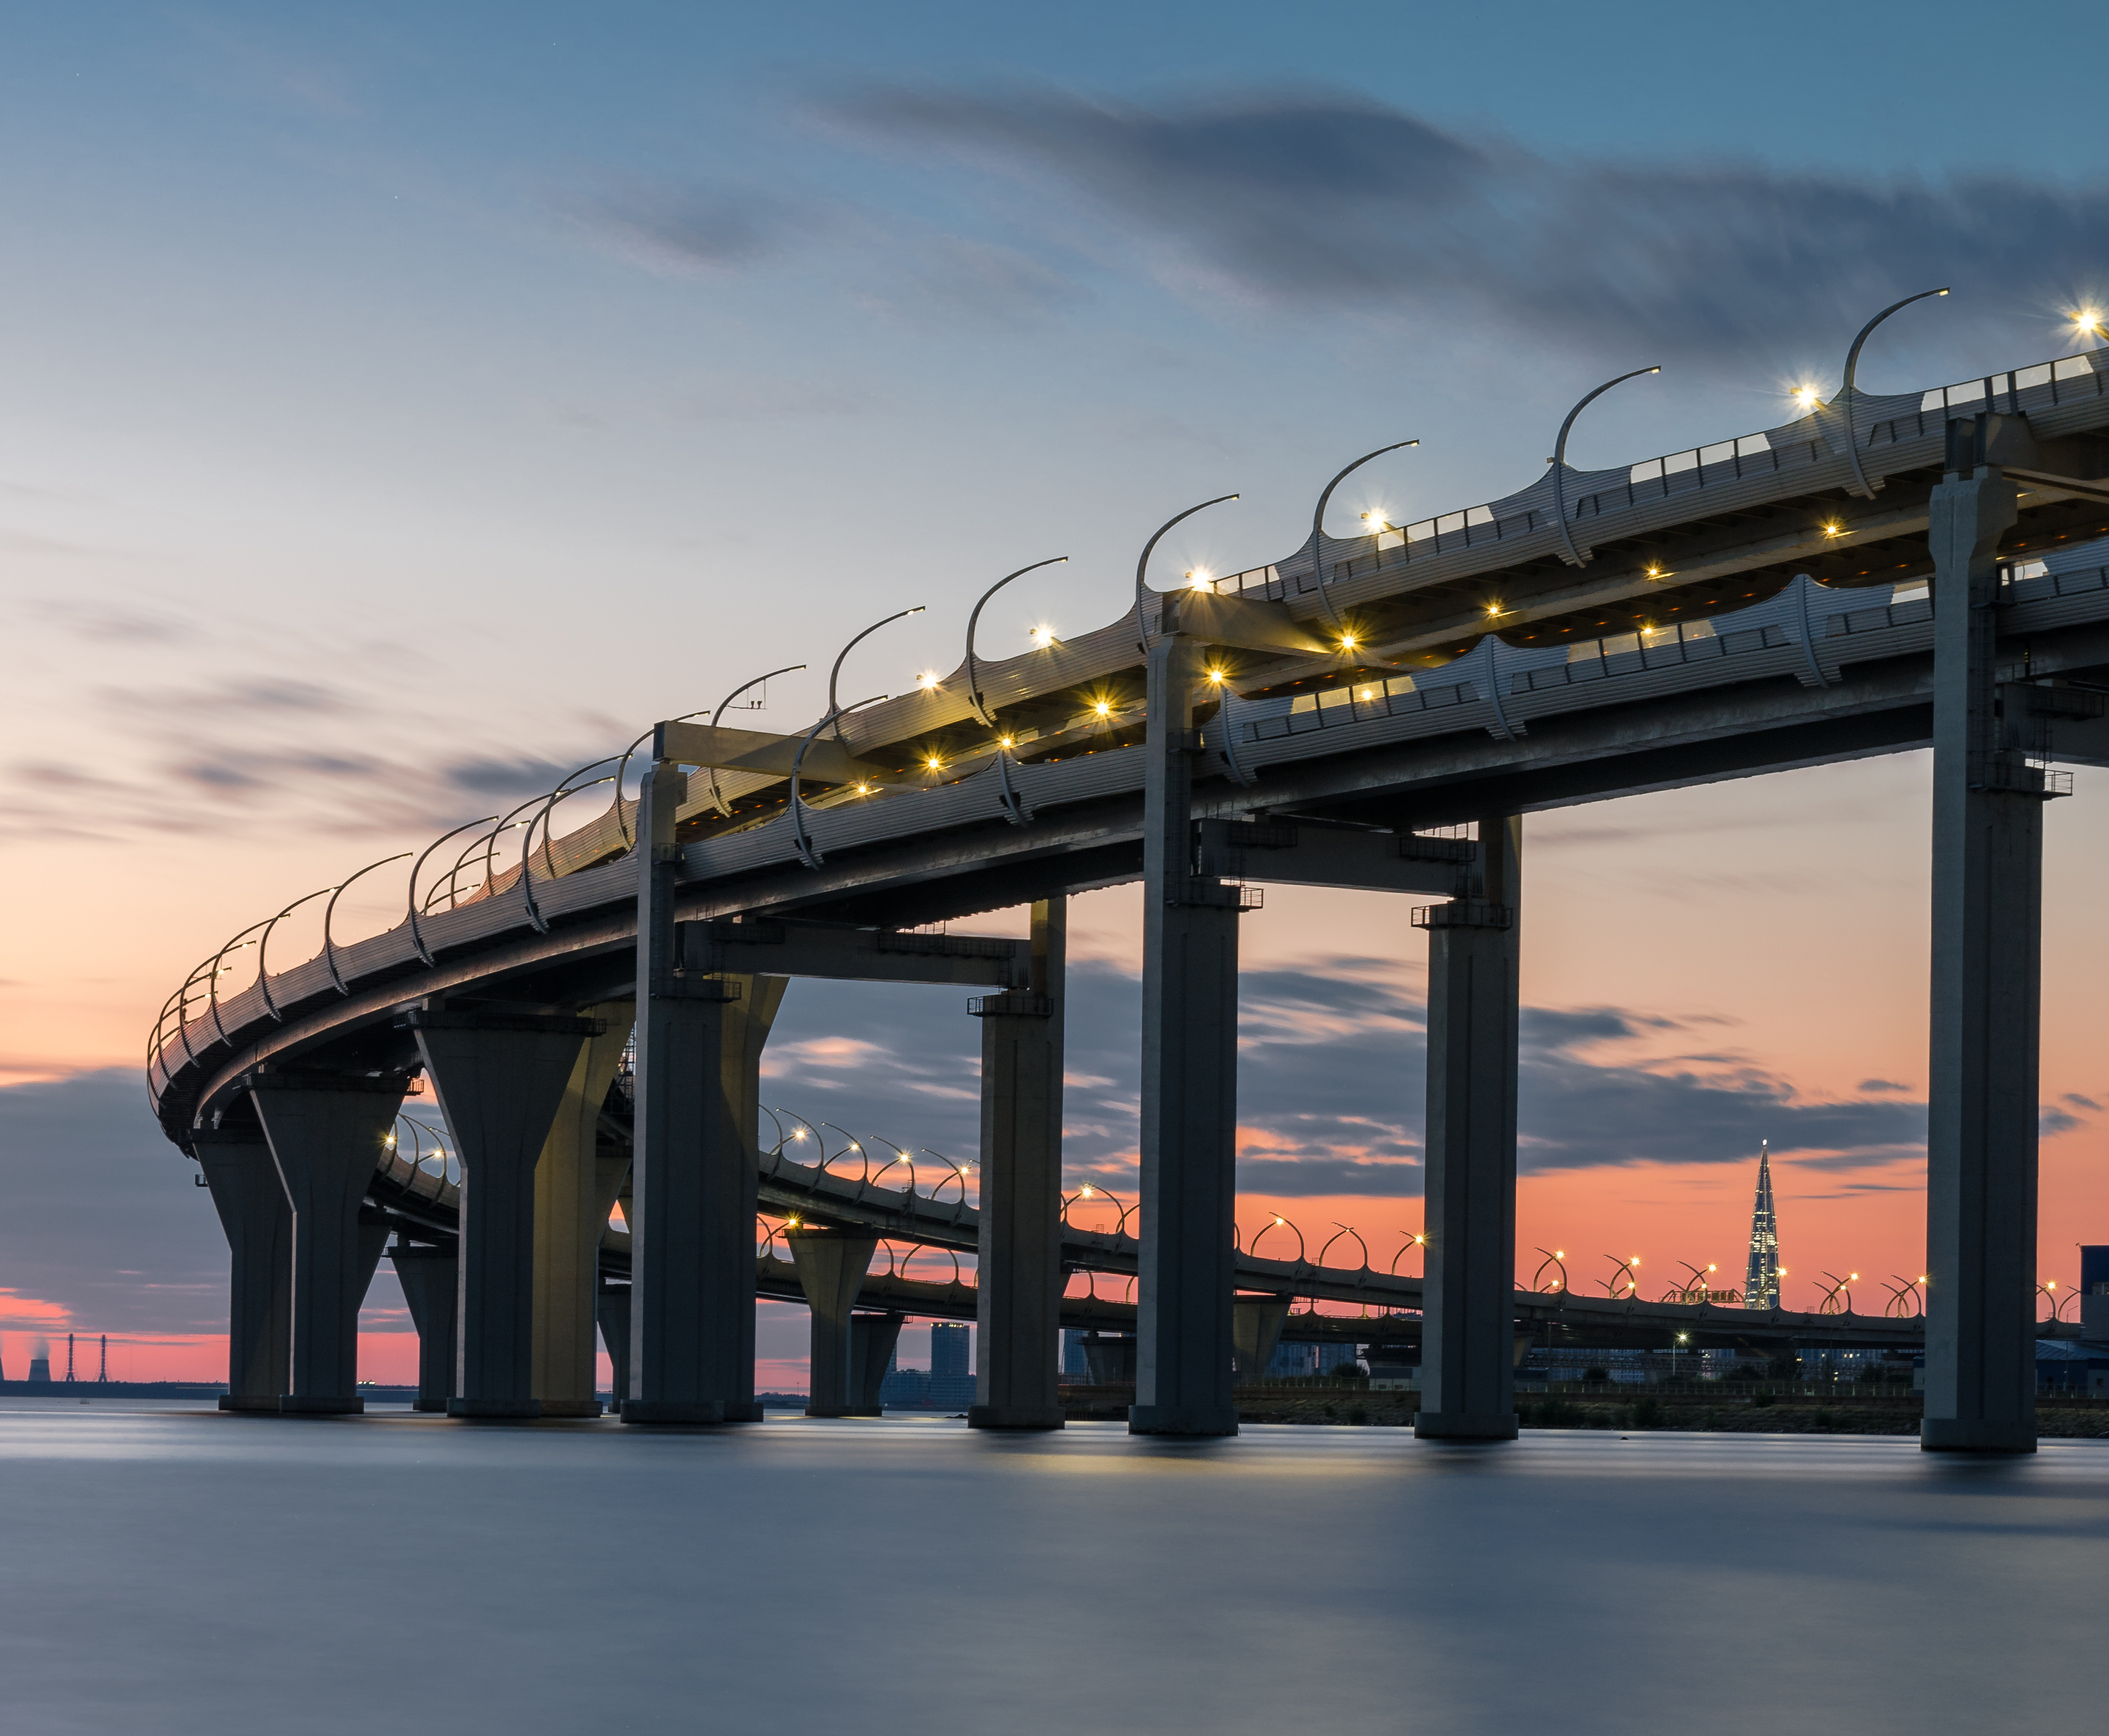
x=1845, y=389
x=1042, y=636
x=1558, y=461
x=1142, y=590
x=1318, y=537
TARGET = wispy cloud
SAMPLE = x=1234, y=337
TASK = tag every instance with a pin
x=1315, y=198
x=685, y=230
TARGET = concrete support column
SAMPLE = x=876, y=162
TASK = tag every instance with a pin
x=499, y=1079
x=327, y=1136
x=1110, y=1358
x=831, y=1264
x=873, y=1338
x=700, y=1032
x=1256, y=1329
x=431, y=1282
x=575, y=1190
x=1468, y=1364
x=258, y=1219
x=1018, y=1349
x=612, y=1308
x=1190, y=1019
x=1980, y=1382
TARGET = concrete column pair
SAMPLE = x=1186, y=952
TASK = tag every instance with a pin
x=1468, y=1367
x=1017, y=1349
x=327, y=1134
x=700, y=1032
x=1980, y=1379
x=500, y=1079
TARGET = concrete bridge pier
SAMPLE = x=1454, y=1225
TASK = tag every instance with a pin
x=873, y=1338
x=700, y=1032
x=1468, y=1359
x=575, y=1190
x=1256, y=1322
x=499, y=1079
x=1986, y=968
x=612, y=1311
x=254, y=1213
x=832, y=1264
x=1189, y=1020
x=1018, y=1309
x=327, y=1134
x=430, y=1280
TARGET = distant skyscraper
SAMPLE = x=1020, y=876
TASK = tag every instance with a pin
x=948, y=1348
x=952, y=1366
x=1761, y=1284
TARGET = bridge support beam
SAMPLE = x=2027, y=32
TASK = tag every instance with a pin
x=254, y=1211
x=831, y=1264
x=1468, y=1361
x=575, y=1190
x=327, y=1135
x=430, y=1280
x=700, y=1032
x=1018, y=1344
x=499, y=1079
x=873, y=1338
x=1980, y=1381
x=1189, y=1020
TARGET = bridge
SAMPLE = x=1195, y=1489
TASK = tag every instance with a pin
x=1377, y=711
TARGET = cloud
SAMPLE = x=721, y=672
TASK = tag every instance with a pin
x=934, y=279
x=2078, y=1102
x=497, y=777
x=1331, y=1079
x=1316, y=199
x=1577, y=1112
x=2051, y=1122
x=1306, y=1177
x=687, y=230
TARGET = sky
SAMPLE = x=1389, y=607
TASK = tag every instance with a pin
x=403, y=406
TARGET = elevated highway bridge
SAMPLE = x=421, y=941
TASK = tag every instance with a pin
x=1378, y=711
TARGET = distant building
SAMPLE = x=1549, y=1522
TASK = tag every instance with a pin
x=952, y=1366
x=1761, y=1281
x=1076, y=1366
x=2072, y=1370
x=2095, y=1294
x=903, y=1389
x=40, y=1369
x=1294, y=1360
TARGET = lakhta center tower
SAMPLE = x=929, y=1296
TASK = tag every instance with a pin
x=1761, y=1284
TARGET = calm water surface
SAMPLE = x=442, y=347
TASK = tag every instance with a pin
x=165, y=1569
